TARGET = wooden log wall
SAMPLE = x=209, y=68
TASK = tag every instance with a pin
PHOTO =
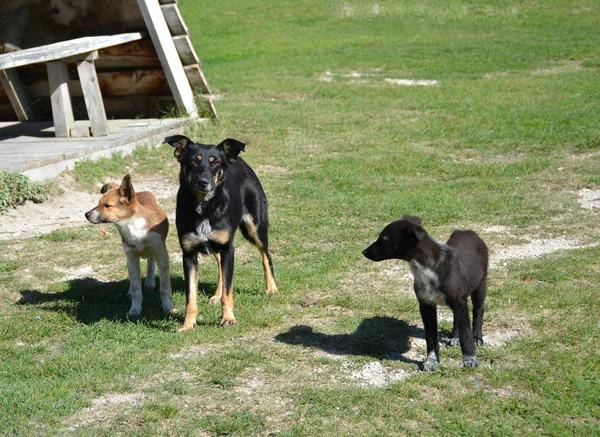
x=130, y=76
x=131, y=80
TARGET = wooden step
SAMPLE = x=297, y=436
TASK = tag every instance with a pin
x=174, y=19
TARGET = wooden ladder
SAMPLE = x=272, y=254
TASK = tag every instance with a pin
x=191, y=63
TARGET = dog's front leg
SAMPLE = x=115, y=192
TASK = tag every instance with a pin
x=150, y=282
x=135, y=285
x=455, y=336
x=429, y=316
x=227, y=260
x=460, y=311
x=190, y=272
x=219, y=291
x=164, y=270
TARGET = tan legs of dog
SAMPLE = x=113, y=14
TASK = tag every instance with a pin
x=219, y=291
x=190, y=265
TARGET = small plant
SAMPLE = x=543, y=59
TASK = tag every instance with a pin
x=16, y=189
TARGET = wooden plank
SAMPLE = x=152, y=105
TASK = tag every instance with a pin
x=117, y=83
x=174, y=19
x=167, y=53
x=116, y=107
x=63, y=49
x=196, y=78
x=17, y=94
x=92, y=96
x=139, y=53
x=186, y=51
x=62, y=111
x=166, y=2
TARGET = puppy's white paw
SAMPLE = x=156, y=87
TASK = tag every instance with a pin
x=429, y=365
x=470, y=361
x=168, y=306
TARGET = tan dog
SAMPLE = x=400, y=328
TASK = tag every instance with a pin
x=143, y=226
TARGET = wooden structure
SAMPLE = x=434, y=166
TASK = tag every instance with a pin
x=136, y=61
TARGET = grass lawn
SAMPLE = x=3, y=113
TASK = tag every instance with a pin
x=505, y=141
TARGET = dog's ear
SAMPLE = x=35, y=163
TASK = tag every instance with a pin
x=108, y=187
x=413, y=219
x=418, y=230
x=180, y=142
x=231, y=148
x=126, y=190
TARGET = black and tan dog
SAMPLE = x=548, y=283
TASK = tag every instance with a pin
x=218, y=193
x=444, y=274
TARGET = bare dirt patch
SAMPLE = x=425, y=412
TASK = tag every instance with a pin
x=589, y=199
x=105, y=409
x=68, y=209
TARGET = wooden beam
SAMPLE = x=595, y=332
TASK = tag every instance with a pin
x=17, y=94
x=196, y=77
x=169, y=58
x=186, y=51
x=92, y=95
x=62, y=111
x=64, y=49
x=174, y=19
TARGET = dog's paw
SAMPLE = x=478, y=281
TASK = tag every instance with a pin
x=429, y=365
x=187, y=326
x=168, y=307
x=455, y=341
x=149, y=286
x=227, y=322
x=470, y=361
x=215, y=299
x=134, y=313
x=272, y=292
x=479, y=341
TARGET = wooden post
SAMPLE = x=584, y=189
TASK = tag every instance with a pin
x=169, y=58
x=17, y=94
x=92, y=95
x=62, y=111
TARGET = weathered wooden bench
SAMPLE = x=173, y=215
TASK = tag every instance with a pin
x=83, y=52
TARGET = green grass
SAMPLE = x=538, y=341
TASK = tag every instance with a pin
x=506, y=140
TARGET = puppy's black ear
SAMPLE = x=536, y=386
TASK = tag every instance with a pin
x=126, y=189
x=413, y=219
x=418, y=230
x=108, y=187
x=231, y=148
x=180, y=142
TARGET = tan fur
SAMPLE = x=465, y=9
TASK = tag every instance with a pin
x=143, y=226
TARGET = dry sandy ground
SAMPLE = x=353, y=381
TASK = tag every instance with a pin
x=68, y=209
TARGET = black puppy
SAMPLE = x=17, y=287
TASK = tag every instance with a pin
x=218, y=193
x=445, y=274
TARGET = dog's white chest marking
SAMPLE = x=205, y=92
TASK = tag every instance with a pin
x=201, y=236
x=427, y=284
x=133, y=232
x=203, y=230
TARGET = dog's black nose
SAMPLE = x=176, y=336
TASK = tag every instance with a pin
x=204, y=183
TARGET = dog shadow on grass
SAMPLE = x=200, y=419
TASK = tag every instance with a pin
x=89, y=300
x=378, y=337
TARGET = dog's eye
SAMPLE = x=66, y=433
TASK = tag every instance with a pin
x=385, y=238
x=106, y=205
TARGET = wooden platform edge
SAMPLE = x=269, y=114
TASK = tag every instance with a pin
x=153, y=140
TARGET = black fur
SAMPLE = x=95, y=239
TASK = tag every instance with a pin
x=218, y=194
x=444, y=274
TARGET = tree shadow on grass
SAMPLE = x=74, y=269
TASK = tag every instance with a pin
x=378, y=337
x=89, y=300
